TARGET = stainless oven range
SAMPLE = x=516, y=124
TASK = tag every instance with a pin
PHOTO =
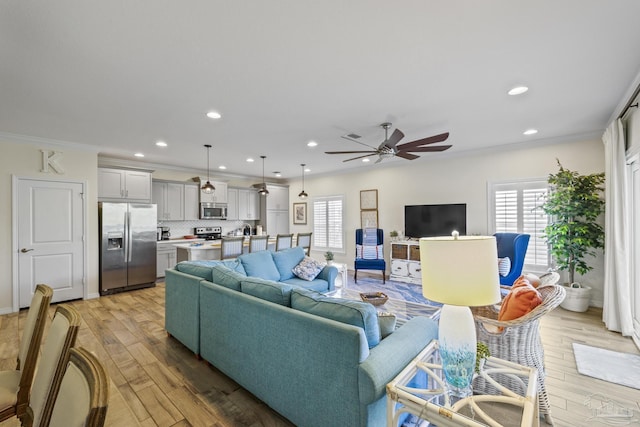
x=208, y=233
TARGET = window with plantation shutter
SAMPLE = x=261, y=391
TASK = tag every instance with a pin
x=516, y=209
x=327, y=223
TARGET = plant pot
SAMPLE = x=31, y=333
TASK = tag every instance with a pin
x=577, y=298
x=329, y=262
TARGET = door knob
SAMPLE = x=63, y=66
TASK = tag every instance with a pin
x=25, y=250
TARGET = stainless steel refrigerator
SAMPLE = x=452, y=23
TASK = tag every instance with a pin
x=128, y=234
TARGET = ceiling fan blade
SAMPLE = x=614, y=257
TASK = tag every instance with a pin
x=349, y=152
x=360, y=157
x=396, y=136
x=357, y=142
x=425, y=141
x=426, y=149
x=406, y=155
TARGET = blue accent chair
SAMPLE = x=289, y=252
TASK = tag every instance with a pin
x=365, y=246
x=513, y=246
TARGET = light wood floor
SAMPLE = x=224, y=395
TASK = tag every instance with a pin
x=156, y=381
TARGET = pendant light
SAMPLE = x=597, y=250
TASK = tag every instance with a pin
x=208, y=187
x=263, y=190
x=303, y=194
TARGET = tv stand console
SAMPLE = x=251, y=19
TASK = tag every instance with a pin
x=405, y=262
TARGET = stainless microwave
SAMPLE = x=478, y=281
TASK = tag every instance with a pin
x=213, y=211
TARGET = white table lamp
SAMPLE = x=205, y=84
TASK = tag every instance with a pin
x=459, y=271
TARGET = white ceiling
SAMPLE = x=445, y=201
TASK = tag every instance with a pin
x=121, y=75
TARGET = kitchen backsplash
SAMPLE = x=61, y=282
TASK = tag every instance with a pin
x=182, y=228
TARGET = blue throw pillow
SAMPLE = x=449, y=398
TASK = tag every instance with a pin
x=223, y=275
x=260, y=264
x=276, y=292
x=286, y=259
x=361, y=314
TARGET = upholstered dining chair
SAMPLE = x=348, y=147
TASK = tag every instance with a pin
x=369, y=251
x=304, y=240
x=283, y=241
x=15, y=386
x=231, y=247
x=61, y=336
x=258, y=243
x=518, y=341
x=84, y=392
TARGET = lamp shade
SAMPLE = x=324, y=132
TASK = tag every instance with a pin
x=460, y=270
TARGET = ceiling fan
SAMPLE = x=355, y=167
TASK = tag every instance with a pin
x=389, y=148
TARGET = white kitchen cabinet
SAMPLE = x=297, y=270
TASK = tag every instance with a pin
x=233, y=214
x=191, y=202
x=248, y=205
x=166, y=256
x=277, y=222
x=176, y=201
x=278, y=198
x=124, y=185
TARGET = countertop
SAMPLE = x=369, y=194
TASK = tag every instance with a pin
x=208, y=244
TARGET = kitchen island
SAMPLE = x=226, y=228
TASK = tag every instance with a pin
x=209, y=249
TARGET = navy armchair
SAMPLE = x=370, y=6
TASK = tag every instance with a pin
x=369, y=251
x=512, y=246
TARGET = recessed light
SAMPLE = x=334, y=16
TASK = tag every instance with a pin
x=161, y=144
x=249, y=160
x=530, y=132
x=139, y=155
x=518, y=90
x=312, y=144
x=365, y=160
x=214, y=115
x=223, y=167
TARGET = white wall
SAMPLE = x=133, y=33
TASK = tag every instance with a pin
x=24, y=159
x=460, y=178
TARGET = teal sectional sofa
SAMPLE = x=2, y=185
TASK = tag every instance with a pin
x=316, y=360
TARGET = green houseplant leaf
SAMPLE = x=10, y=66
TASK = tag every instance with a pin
x=574, y=203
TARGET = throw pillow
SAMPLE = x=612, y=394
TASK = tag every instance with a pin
x=308, y=269
x=286, y=259
x=354, y=313
x=276, y=292
x=504, y=266
x=522, y=298
x=260, y=264
x=387, y=323
x=223, y=275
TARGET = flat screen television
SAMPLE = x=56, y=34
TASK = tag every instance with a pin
x=435, y=220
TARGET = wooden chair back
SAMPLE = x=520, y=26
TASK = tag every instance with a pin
x=231, y=247
x=84, y=392
x=258, y=243
x=283, y=241
x=28, y=352
x=53, y=362
x=304, y=240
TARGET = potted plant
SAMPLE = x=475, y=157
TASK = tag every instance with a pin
x=574, y=204
x=394, y=235
x=329, y=257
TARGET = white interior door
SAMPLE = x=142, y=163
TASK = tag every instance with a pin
x=634, y=206
x=50, y=228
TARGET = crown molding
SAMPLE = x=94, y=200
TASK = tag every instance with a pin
x=48, y=142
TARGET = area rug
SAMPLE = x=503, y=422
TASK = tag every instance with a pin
x=607, y=365
x=397, y=290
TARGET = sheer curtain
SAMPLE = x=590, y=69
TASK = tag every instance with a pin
x=616, y=312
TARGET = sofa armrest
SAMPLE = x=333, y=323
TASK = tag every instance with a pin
x=329, y=273
x=392, y=355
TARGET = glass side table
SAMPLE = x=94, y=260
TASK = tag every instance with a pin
x=434, y=405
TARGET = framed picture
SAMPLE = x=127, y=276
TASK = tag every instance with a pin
x=300, y=213
x=369, y=219
x=368, y=199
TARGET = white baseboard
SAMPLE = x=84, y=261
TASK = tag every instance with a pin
x=6, y=310
x=93, y=296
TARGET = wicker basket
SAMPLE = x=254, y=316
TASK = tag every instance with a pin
x=375, y=298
